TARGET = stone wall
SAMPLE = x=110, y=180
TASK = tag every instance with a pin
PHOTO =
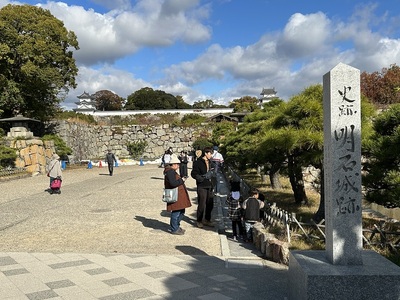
x=392, y=213
x=271, y=247
x=90, y=142
x=33, y=154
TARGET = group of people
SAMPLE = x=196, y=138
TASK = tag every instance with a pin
x=183, y=161
x=202, y=172
x=244, y=212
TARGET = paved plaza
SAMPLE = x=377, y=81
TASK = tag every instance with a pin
x=105, y=237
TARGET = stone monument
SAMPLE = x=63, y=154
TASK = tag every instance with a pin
x=344, y=270
x=19, y=127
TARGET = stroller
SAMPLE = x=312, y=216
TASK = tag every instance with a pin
x=55, y=186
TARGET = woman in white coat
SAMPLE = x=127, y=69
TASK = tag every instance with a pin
x=54, y=172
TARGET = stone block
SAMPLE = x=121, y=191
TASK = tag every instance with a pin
x=34, y=142
x=48, y=144
x=258, y=231
x=42, y=160
x=40, y=151
x=265, y=238
x=311, y=277
x=34, y=159
x=23, y=152
x=342, y=165
x=393, y=213
x=268, y=248
x=20, y=144
x=279, y=251
x=27, y=159
x=19, y=163
x=33, y=148
x=32, y=168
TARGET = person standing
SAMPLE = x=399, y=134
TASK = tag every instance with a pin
x=177, y=209
x=110, y=159
x=167, y=157
x=54, y=171
x=235, y=210
x=217, y=160
x=202, y=173
x=251, y=207
x=183, y=168
x=217, y=163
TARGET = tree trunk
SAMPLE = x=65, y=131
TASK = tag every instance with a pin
x=296, y=180
x=274, y=176
x=320, y=214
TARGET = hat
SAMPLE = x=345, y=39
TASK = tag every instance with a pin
x=174, y=159
x=215, y=147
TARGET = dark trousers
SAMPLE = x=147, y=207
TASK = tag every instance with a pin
x=183, y=170
x=110, y=167
x=234, y=229
x=205, y=201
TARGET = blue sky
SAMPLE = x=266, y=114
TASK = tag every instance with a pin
x=223, y=49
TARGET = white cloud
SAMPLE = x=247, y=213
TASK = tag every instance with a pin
x=90, y=80
x=307, y=48
x=119, y=33
x=289, y=60
x=304, y=35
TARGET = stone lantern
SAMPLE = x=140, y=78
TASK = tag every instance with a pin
x=19, y=126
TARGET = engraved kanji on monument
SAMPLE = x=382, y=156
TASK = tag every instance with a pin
x=342, y=165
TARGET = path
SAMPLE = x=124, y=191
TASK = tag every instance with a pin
x=105, y=237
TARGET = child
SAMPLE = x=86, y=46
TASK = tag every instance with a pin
x=251, y=207
x=235, y=209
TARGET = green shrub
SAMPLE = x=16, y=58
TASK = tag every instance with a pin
x=136, y=148
x=61, y=148
x=71, y=114
x=7, y=157
x=201, y=143
x=193, y=119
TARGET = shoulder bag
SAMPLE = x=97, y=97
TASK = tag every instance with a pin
x=170, y=195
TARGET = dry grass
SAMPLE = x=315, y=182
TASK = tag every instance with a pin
x=284, y=198
x=304, y=213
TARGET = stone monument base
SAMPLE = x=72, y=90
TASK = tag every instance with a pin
x=311, y=277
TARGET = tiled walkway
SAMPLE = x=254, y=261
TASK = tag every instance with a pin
x=128, y=276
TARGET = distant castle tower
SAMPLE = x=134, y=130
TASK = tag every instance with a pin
x=267, y=95
x=86, y=103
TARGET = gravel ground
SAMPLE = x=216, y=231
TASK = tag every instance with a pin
x=97, y=213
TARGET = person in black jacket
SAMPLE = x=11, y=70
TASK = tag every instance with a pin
x=183, y=169
x=202, y=173
x=110, y=159
x=251, y=207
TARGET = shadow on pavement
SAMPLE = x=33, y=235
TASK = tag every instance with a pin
x=151, y=223
x=189, y=250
